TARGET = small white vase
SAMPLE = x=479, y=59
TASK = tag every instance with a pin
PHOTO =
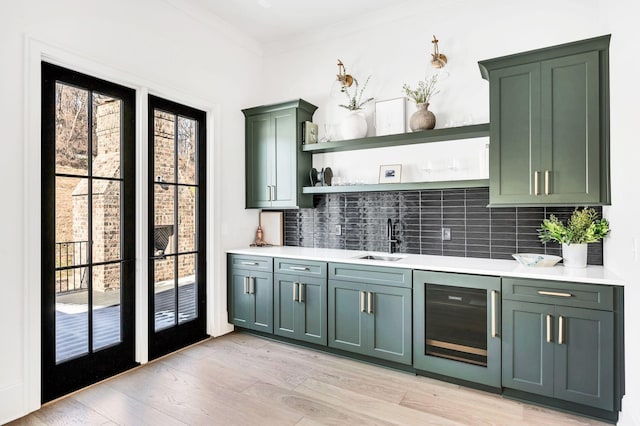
x=354, y=126
x=574, y=255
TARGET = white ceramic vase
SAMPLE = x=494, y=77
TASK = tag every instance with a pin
x=574, y=255
x=354, y=126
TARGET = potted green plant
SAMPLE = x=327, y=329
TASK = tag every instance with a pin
x=422, y=119
x=355, y=125
x=583, y=227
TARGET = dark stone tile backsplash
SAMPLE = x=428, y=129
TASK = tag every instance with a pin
x=418, y=217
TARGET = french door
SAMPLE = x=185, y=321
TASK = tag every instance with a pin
x=177, y=303
x=88, y=230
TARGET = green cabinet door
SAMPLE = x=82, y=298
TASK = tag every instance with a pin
x=584, y=357
x=528, y=347
x=346, y=316
x=251, y=299
x=514, y=151
x=300, y=308
x=276, y=167
x=389, y=323
x=259, y=160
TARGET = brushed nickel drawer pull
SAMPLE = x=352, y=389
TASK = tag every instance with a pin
x=268, y=192
x=369, y=302
x=295, y=292
x=546, y=182
x=548, y=328
x=494, y=300
x=362, y=309
x=554, y=293
x=535, y=183
x=560, y=330
x=273, y=193
x=252, y=284
x=298, y=268
x=301, y=292
x=245, y=281
x=249, y=263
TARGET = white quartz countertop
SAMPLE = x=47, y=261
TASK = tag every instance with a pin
x=468, y=265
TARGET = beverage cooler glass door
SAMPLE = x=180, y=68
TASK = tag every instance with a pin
x=457, y=326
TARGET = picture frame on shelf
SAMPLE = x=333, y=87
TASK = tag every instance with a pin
x=390, y=173
x=310, y=133
x=390, y=116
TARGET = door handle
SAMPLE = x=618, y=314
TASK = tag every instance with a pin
x=301, y=291
x=494, y=301
x=554, y=293
x=273, y=193
x=549, y=318
x=536, y=190
x=295, y=291
x=245, y=281
x=252, y=283
x=561, y=330
x=268, y=192
x=546, y=182
x=369, y=302
x=362, y=308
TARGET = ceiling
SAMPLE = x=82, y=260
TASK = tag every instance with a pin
x=270, y=21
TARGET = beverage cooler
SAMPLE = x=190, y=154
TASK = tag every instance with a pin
x=457, y=326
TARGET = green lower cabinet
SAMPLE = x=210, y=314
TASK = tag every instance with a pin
x=370, y=319
x=559, y=352
x=300, y=306
x=252, y=299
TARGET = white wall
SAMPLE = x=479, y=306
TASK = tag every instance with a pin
x=146, y=44
x=394, y=46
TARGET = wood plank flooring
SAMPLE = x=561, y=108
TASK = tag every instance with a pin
x=240, y=379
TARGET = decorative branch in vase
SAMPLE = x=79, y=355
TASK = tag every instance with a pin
x=422, y=119
x=355, y=125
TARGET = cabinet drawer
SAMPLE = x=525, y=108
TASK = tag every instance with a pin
x=254, y=263
x=370, y=274
x=300, y=267
x=562, y=293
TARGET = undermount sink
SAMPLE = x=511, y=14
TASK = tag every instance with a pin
x=380, y=257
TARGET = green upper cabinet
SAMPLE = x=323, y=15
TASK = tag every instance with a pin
x=276, y=168
x=549, y=128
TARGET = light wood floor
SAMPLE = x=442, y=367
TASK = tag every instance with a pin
x=240, y=379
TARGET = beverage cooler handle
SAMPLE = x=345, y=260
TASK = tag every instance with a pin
x=494, y=320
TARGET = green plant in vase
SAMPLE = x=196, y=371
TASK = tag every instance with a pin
x=583, y=227
x=422, y=119
x=355, y=125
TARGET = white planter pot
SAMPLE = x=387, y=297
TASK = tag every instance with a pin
x=574, y=255
x=354, y=126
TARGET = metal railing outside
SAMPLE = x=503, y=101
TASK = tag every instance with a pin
x=69, y=255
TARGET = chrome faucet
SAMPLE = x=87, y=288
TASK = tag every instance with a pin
x=390, y=239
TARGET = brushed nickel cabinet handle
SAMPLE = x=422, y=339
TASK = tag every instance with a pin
x=549, y=328
x=298, y=268
x=536, y=190
x=494, y=300
x=301, y=292
x=252, y=284
x=295, y=291
x=362, y=309
x=273, y=193
x=245, y=281
x=554, y=293
x=560, y=330
x=546, y=182
x=369, y=302
x=268, y=192
x=249, y=263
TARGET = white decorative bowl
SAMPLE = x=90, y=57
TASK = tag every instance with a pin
x=535, y=259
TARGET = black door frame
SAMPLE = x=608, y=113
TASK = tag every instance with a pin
x=69, y=375
x=173, y=338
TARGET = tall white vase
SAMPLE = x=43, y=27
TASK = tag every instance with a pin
x=574, y=255
x=354, y=126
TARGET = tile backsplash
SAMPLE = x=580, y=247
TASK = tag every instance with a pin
x=418, y=218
